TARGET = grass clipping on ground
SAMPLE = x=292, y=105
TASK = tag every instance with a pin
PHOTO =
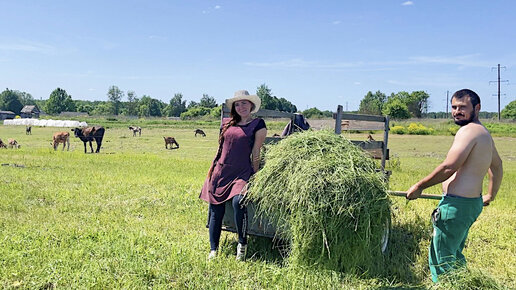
x=326, y=199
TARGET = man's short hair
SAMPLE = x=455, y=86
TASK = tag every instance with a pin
x=473, y=97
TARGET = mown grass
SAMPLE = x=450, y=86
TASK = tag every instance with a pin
x=130, y=217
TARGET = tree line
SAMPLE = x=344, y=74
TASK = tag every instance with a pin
x=401, y=105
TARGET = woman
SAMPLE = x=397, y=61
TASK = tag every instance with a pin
x=238, y=157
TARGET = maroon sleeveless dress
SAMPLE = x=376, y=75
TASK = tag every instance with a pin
x=233, y=168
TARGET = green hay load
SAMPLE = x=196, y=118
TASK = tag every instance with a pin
x=326, y=199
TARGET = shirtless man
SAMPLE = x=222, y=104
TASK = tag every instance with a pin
x=472, y=155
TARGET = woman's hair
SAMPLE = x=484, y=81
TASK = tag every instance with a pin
x=235, y=118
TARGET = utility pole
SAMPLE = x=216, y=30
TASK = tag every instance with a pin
x=499, y=81
x=347, y=107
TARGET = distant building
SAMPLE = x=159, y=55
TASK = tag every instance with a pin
x=7, y=115
x=30, y=111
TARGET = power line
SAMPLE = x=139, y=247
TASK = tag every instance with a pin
x=499, y=81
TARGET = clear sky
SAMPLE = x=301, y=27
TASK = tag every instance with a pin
x=313, y=53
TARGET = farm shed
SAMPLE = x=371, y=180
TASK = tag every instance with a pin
x=30, y=111
x=7, y=115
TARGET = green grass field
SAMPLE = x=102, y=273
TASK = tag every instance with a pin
x=130, y=217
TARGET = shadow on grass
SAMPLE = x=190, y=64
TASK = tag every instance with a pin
x=259, y=249
x=403, y=250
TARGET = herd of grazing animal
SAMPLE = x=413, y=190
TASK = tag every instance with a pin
x=89, y=134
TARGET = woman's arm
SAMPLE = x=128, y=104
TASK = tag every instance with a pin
x=259, y=138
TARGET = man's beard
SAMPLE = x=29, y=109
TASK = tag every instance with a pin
x=465, y=121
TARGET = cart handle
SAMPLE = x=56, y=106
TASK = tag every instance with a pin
x=424, y=196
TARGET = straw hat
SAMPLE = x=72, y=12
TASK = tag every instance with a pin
x=244, y=95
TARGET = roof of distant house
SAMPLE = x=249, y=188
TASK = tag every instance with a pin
x=30, y=109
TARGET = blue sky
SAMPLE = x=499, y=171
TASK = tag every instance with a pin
x=313, y=53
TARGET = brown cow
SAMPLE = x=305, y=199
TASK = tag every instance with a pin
x=370, y=138
x=171, y=141
x=13, y=143
x=2, y=145
x=89, y=134
x=61, y=137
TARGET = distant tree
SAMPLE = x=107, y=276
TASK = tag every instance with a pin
x=208, y=102
x=216, y=112
x=25, y=98
x=285, y=105
x=396, y=108
x=115, y=96
x=10, y=101
x=152, y=107
x=59, y=101
x=176, y=106
x=132, y=104
x=372, y=103
x=509, y=112
x=417, y=103
x=192, y=104
x=195, y=112
x=103, y=108
x=312, y=113
x=265, y=95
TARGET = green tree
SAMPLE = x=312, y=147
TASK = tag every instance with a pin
x=132, y=104
x=195, y=113
x=176, y=106
x=372, y=103
x=216, y=112
x=265, y=95
x=509, y=112
x=115, y=96
x=103, y=108
x=152, y=107
x=313, y=113
x=59, y=101
x=417, y=103
x=207, y=101
x=10, y=101
x=25, y=98
x=396, y=108
x=192, y=104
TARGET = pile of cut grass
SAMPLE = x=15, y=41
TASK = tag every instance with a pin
x=326, y=199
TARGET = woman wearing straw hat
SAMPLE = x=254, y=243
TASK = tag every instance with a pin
x=240, y=140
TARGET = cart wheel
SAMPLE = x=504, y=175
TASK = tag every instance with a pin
x=385, y=235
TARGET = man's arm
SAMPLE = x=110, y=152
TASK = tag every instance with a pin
x=495, y=177
x=259, y=138
x=459, y=152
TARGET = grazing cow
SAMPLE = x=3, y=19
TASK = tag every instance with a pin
x=135, y=130
x=28, y=130
x=370, y=138
x=199, y=131
x=61, y=137
x=171, y=141
x=13, y=143
x=2, y=145
x=89, y=134
x=276, y=135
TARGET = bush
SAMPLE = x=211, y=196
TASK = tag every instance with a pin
x=419, y=129
x=453, y=130
x=399, y=130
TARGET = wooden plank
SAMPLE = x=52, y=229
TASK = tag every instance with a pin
x=359, y=117
x=368, y=144
x=423, y=195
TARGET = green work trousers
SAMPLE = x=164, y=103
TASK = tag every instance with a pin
x=451, y=220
